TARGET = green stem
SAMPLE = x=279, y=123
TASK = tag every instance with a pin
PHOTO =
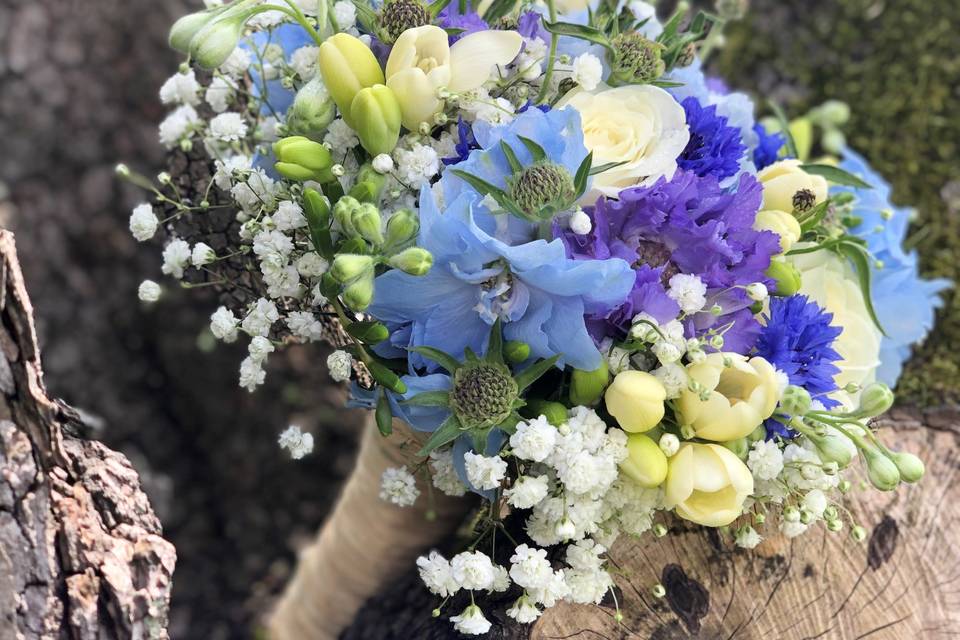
x=294, y=12
x=554, y=38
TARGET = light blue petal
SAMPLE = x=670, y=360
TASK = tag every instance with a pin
x=421, y=418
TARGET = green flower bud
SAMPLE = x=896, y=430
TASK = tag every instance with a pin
x=910, y=466
x=835, y=525
x=858, y=533
x=795, y=401
x=348, y=267
x=634, y=59
x=343, y=213
x=375, y=114
x=347, y=66
x=875, y=399
x=881, y=470
x=359, y=294
x=516, y=351
x=368, y=331
x=760, y=433
x=312, y=111
x=366, y=220
x=300, y=158
x=184, y=29
x=215, y=41
x=786, y=276
x=834, y=447
x=586, y=387
x=415, y=260
x=740, y=447
x=369, y=184
x=401, y=228
x=554, y=412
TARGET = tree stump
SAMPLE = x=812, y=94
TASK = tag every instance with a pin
x=902, y=582
x=81, y=551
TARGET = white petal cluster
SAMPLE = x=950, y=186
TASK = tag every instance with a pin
x=340, y=365
x=484, y=472
x=296, y=442
x=399, y=487
x=143, y=222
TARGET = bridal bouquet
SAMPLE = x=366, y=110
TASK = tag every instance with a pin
x=599, y=288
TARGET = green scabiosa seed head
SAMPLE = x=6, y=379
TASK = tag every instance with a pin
x=483, y=394
x=542, y=187
x=635, y=60
x=399, y=15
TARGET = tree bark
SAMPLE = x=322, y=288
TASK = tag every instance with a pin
x=81, y=552
x=901, y=582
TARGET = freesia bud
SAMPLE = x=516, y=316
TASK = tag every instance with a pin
x=910, y=466
x=312, y=111
x=586, y=387
x=796, y=400
x=347, y=66
x=343, y=213
x=347, y=267
x=375, y=114
x=359, y=294
x=184, y=29
x=401, y=228
x=636, y=400
x=415, y=261
x=786, y=276
x=369, y=184
x=881, y=470
x=300, y=158
x=645, y=463
x=554, y=412
x=875, y=399
x=366, y=220
x=216, y=40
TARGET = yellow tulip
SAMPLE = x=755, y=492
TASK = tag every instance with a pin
x=707, y=484
x=347, y=66
x=737, y=398
x=422, y=62
x=635, y=399
x=783, y=180
x=645, y=463
x=782, y=223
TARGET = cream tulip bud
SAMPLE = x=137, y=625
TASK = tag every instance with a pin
x=707, y=484
x=375, y=114
x=300, y=158
x=782, y=223
x=646, y=464
x=636, y=400
x=586, y=387
x=786, y=186
x=347, y=65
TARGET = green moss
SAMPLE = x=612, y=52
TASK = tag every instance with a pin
x=897, y=64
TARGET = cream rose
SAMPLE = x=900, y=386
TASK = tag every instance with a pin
x=830, y=281
x=707, y=484
x=641, y=126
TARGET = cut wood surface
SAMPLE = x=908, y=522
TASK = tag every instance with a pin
x=903, y=581
x=81, y=551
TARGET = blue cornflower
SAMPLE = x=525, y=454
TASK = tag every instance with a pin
x=715, y=148
x=768, y=147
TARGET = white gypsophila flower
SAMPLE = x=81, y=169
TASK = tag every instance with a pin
x=501, y=579
x=534, y=439
x=471, y=621
x=524, y=610
x=311, y=265
x=383, y=163
x=757, y=291
x=581, y=472
x=258, y=191
x=304, y=324
x=669, y=444
x=815, y=502
x=178, y=125
x=689, y=291
x=587, y=71
x=494, y=111
x=148, y=291
x=618, y=359
x=473, y=570
x=181, y=88
x=296, y=442
x=484, y=473
x=803, y=469
x=228, y=127
x=528, y=491
x=765, y=460
x=399, y=487
x=223, y=177
x=236, y=63
x=555, y=590
x=345, y=13
x=530, y=568
x=289, y=216
x=770, y=491
x=223, y=324
x=580, y=223
x=282, y=279
x=673, y=377
x=309, y=7
x=219, y=94
x=268, y=130
x=252, y=374
x=436, y=574
x=317, y=298
x=747, y=537
x=266, y=20
x=529, y=62
x=792, y=529
x=260, y=348
x=586, y=578
x=260, y=318
x=444, y=474
x=143, y=222
x=272, y=243
x=666, y=352
x=202, y=255
x=176, y=258
x=340, y=136
x=417, y=165
x=340, y=365
x=304, y=61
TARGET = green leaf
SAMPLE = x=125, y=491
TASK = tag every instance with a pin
x=606, y=166
x=532, y=373
x=436, y=7
x=509, y=426
x=814, y=216
x=429, y=399
x=386, y=377
x=366, y=16
x=539, y=155
x=447, y=432
x=470, y=356
x=515, y=165
x=860, y=258
x=784, y=128
x=384, y=415
x=582, y=32
x=480, y=437
x=317, y=212
x=666, y=84
x=442, y=358
x=495, y=343
x=583, y=174
x=498, y=9
x=672, y=26
x=836, y=175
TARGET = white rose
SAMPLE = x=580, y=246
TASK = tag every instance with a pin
x=641, y=126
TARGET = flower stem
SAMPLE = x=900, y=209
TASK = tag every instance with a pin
x=554, y=38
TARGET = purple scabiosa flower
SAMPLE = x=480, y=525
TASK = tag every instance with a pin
x=687, y=224
x=715, y=148
x=767, y=150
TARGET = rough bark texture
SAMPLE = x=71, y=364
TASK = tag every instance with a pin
x=81, y=551
x=902, y=582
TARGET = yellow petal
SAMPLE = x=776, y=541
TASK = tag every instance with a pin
x=679, y=484
x=473, y=56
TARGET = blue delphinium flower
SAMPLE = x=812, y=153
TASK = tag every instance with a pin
x=466, y=143
x=470, y=22
x=715, y=148
x=540, y=294
x=768, y=147
x=905, y=303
